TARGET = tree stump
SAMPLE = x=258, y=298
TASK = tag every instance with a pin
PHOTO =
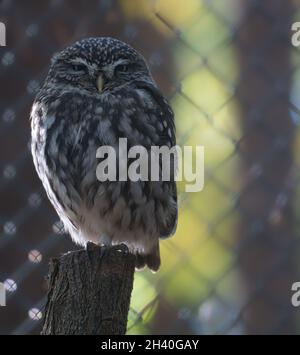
x=89, y=292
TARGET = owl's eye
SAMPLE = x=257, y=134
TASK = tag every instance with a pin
x=123, y=68
x=78, y=67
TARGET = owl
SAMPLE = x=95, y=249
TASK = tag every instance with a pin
x=98, y=91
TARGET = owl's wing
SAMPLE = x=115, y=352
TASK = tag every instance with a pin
x=169, y=228
x=165, y=117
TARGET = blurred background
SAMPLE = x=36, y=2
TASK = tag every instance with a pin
x=233, y=79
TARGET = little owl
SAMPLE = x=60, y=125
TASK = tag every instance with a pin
x=97, y=91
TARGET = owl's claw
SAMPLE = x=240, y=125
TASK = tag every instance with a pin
x=104, y=251
x=89, y=249
x=123, y=248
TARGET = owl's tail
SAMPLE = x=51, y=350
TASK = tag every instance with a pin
x=152, y=260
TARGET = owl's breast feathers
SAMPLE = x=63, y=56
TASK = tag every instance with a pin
x=67, y=129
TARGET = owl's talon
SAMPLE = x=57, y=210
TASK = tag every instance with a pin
x=123, y=248
x=89, y=249
x=103, y=251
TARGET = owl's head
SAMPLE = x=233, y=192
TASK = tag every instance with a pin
x=98, y=64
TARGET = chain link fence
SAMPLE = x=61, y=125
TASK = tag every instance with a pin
x=233, y=78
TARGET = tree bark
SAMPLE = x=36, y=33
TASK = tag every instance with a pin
x=89, y=292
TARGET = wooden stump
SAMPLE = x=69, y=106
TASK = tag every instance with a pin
x=89, y=292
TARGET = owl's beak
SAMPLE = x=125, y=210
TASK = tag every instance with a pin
x=100, y=83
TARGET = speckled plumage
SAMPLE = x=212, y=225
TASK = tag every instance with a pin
x=70, y=120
